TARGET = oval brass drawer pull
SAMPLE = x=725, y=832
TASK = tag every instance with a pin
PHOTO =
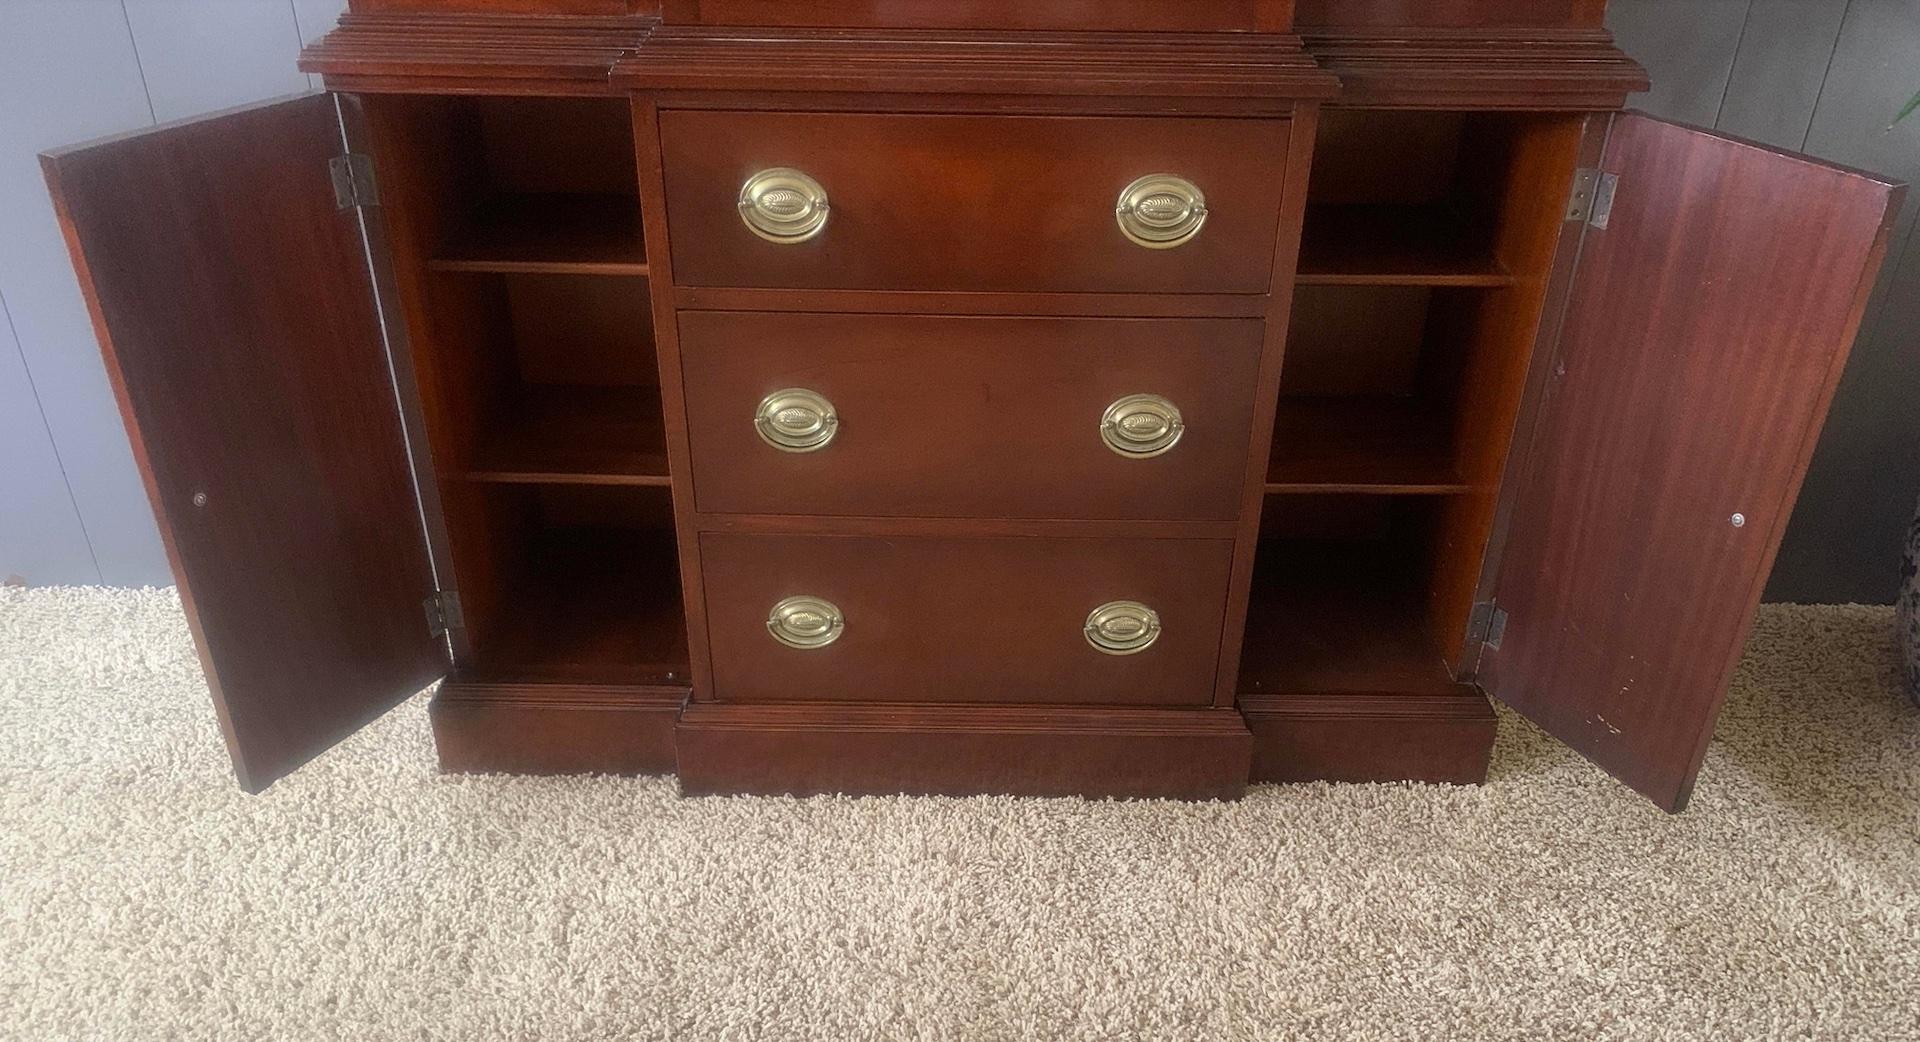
x=1123, y=628
x=783, y=205
x=1161, y=211
x=806, y=622
x=1141, y=426
x=796, y=420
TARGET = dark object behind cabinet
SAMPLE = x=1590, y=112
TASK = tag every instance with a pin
x=1127, y=399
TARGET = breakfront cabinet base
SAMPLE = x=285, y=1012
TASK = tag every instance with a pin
x=961, y=750
x=1371, y=738
x=509, y=728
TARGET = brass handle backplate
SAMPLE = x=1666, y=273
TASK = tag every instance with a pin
x=1123, y=628
x=1141, y=426
x=806, y=622
x=783, y=205
x=796, y=420
x=1161, y=211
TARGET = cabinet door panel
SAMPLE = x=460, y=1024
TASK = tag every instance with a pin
x=232, y=300
x=1706, y=330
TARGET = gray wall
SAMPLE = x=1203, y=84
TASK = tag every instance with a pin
x=71, y=506
x=1821, y=75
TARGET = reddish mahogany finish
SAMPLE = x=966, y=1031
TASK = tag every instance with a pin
x=982, y=68
x=969, y=417
x=1371, y=737
x=1430, y=14
x=1450, y=396
x=1135, y=15
x=261, y=411
x=1678, y=425
x=937, y=619
x=1033, y=213
x=963, y=750
x=555, y=728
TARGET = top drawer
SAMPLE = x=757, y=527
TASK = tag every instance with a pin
x=1007, y=203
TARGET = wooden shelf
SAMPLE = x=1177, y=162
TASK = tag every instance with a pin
x=1377, y=446
x=1330, y=617
x=576, y=436
x=1389, y=245
x=549, y=234
x=589, y=606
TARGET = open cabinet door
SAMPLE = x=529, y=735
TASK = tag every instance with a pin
x=232, y=298
x=1706, y=328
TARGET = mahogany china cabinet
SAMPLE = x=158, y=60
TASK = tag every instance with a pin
x=1132, y=398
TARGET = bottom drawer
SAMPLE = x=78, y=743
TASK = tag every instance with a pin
x=1010, y=620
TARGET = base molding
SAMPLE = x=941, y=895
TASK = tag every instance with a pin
x=962, y=750
x=499, y=727
x=493, y=727
x=1371, y=737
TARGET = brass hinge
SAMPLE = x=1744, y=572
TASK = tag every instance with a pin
x=443, y=612
x=1488, y=624
x=353, y=181
x=1593, y=193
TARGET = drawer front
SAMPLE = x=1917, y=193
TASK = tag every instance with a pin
x=1006, y=203
x=961, y=619
x=972, y=417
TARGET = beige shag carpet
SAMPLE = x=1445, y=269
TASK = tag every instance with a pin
x=142, y=896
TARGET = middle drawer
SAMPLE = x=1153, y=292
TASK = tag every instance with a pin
x=962, y=416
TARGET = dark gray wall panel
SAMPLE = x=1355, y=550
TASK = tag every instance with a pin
x=1688, y=46
x=1844, y=541
x=1784, y=53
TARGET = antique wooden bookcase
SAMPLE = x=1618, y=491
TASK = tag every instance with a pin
x=717, y=386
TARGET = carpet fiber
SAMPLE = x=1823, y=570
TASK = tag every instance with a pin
x=367, y=898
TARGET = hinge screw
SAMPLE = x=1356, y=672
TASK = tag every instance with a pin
x=1739, y=520
x=199, y=499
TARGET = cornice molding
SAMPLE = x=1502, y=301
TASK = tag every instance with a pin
x=1479, y=68
x=1564, y=69
x=475, y=53
x=1214, y=65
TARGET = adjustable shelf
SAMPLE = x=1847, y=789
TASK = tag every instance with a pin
x=572, y=435
x=1361, y=444
x=548, y=233
x=1363, y=244
x=1428, y=239
x=521, y=260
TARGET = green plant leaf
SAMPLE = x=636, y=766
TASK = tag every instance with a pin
x=1912, y=107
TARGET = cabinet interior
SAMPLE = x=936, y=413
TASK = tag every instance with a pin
x=516, y=236
x=1425, y=256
